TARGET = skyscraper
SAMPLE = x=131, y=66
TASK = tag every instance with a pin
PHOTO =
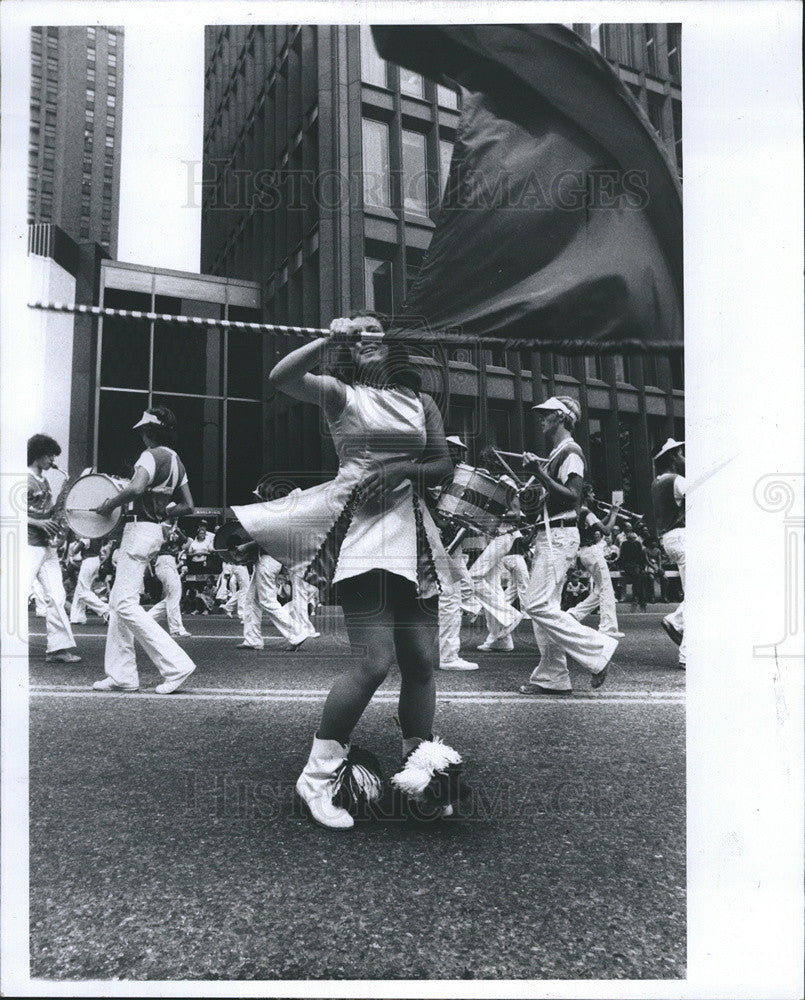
x=76, y=124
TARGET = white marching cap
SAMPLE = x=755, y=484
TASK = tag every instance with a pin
x=564, y=404
x=147, y=418
x=456, y=440
x=670, y=445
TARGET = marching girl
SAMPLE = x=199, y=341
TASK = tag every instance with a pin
x=369, y=533
x=159, y=475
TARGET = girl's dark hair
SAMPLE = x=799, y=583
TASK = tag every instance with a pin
x=396, y=370
x=167, y=433
x=40, y=445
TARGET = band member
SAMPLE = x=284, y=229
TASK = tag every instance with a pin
x=45, y=567
x=456, y=593
x=159, y=476
x=303, y=596
x=261, y=597
x=592, y=532
x=668, y=497
x=370, y=534
x=166, y=571
x=557, y=633
x=238, y=585
x=84, y=596
x=502, y=618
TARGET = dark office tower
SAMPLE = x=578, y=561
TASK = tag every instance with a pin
x=76, y=114
x=323, y=170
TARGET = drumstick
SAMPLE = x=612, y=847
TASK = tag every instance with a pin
x=503, y=462
x=457, y=540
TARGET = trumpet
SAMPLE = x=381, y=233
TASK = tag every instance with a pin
x=626, y=514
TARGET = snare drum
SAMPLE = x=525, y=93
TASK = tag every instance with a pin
x=84, y=496
x=476, y=499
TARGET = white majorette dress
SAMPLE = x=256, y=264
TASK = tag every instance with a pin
x=324, y=535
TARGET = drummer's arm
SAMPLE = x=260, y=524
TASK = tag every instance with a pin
x=185, y=506
x=571, y=490
x=137, y=486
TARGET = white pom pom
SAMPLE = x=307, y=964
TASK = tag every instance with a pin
x=412, y=780
x=434, y=755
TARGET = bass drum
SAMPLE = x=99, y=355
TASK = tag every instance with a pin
x=82, y=500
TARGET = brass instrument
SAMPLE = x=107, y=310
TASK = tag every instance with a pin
x=627, y=515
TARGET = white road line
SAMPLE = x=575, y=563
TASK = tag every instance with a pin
x=323, y=692
x=389, y=698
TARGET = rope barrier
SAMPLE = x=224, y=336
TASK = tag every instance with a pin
x=410, y=336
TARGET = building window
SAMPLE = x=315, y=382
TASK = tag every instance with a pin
x=110, y=121
x=592, y=366
x=110, y=100
x=651, y=48
x=378, y=289
x=655, y=103
x=112, y=39
x=598, y=457
x=91, y=74
x=446, y=97
x=622, y=370
x=675, y=51
x=414, y=173
x=650, y=371
x=627, y=46
x=112, y=59
x=677, y=370
x=376, y=171
x=110, y=141
x=89, y=115
x=563, y=364
x=445, y=156
x=91, y=55
x=411, y=83
x=373, y=68
x=90, y=32
x=90, y=95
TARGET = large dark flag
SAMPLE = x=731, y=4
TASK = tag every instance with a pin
x=562, y=215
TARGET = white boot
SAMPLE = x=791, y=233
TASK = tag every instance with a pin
x=317, y=784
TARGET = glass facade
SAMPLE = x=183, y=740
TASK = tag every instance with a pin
x=211, y=377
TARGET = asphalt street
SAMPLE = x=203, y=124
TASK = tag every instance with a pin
x=166, y=844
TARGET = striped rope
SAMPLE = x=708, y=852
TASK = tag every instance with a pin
x=412, y=336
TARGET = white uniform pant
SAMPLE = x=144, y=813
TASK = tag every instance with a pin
x=40, y=601
x=673, y=542
x=601, y=593
x=455, y=595
x=517, y=570
x=238, y=585
x=486, y=573
x=557, y=633
x=128, y=620
x=84, y=596
x=261, y=596
x=45, y=568
x=171, y=604
x=303, y=594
